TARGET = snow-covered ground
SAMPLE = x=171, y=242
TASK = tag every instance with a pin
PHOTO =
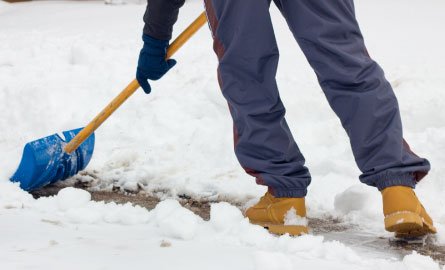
x=61, y=62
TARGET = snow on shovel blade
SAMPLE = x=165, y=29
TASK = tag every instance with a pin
x=44, y=161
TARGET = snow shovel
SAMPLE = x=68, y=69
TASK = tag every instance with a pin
x=54, y=158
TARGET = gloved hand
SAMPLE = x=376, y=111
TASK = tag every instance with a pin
x=152, y=63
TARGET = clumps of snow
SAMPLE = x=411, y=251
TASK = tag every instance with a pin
x=223, y=216
x=360, y=204
x=227, y=227
x=75, y=206
x=68, y=198
x=175, y=221
x=11, y=196
x=416, y=261
x=291, y=218
x=131, y=186
x=126, y=214
x=354, y=198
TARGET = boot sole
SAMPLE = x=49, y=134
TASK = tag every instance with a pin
x=280, y=229
x=408, y=224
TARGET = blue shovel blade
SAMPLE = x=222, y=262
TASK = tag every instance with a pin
x=44, y=161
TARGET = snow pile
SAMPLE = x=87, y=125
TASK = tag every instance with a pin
x=175, y=221
x=223, y=216
x=354, y=198
x=419, y=262
x=72, y=198
x=11, y=196
x=75, y=206
x=359, y=206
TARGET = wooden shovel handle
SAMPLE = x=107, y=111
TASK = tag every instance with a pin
x=131, y=88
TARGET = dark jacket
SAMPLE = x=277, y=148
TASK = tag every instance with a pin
x=160, y=17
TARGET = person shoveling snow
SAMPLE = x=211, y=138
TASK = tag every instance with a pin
x=354, y=84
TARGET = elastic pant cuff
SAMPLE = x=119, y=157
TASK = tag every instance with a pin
x=287, y=193
x=393, y=179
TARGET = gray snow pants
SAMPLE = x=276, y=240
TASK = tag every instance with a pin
x=354, y=84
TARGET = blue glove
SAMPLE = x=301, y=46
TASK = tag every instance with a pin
x=152, y=64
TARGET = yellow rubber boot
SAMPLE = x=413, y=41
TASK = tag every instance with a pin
x=279, y=215
x=404, y=214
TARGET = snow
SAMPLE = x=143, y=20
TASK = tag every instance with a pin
x=76, y=206
x=224, y=216
x=61, y=62
x=416, y=261
x=127, y=236
x=71, y=198
x=355, y=198
x=291, y=218
x=175, y=221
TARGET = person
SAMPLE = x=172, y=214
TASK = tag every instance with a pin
x=354, y=84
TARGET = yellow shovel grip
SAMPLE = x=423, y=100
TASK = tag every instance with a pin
x=131, y=88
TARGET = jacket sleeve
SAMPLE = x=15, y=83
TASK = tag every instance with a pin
x=160, y=16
